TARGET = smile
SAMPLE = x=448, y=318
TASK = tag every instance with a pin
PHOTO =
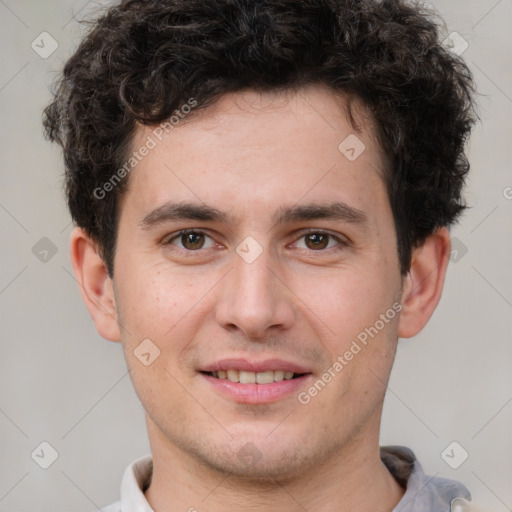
x=247, y=377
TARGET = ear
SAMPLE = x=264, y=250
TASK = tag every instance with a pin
x=424, y=283
x=96, y=286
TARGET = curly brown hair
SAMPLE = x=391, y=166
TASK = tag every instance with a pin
x=142, y=59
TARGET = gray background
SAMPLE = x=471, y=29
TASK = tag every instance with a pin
x=61, y=383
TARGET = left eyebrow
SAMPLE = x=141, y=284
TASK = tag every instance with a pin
x=194, y=211
x=332, y=211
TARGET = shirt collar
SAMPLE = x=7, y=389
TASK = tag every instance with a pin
x=136, y=480
x=423, y=493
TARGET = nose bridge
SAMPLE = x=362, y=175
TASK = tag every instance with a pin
x=253, y=298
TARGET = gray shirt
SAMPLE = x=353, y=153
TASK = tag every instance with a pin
x=423, y=493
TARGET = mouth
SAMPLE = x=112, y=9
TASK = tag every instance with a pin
x=245, y=382
x=248, y=377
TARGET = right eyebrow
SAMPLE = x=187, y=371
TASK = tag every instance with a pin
x=183, y=211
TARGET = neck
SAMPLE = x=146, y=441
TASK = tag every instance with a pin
x=354, y=479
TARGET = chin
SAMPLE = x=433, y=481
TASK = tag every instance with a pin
x=261, y=461
x=266, y=468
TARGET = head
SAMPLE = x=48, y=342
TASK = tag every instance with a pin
x=315, y=152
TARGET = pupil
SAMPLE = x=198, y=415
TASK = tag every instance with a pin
x=318, y=240
x=193, y=239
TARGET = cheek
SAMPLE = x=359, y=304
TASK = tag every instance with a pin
x=350, y=301
x=357, y=307
x=157, y=306
x=169, y=308
x=152, y=304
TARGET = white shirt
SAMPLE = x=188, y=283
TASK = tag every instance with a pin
x=423, y=493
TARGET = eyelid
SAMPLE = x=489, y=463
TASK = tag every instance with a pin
x=341, y=241
x=177, y=234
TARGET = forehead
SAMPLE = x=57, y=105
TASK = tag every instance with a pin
x=279, y=145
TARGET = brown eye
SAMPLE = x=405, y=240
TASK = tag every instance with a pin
x=321, y=241
x=317, y=241
x=191, y=240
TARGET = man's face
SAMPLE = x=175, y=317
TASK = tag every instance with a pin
x=250, y=291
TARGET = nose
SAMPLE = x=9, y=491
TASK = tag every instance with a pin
x=254, y=299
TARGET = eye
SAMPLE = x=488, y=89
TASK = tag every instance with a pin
x=193, y=240
x=320, y=240
x=190, y=240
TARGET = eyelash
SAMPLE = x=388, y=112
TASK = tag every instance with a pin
x=341, y=244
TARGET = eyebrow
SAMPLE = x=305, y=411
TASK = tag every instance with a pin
x=194, y=211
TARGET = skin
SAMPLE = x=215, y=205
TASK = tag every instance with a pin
x=250, y=154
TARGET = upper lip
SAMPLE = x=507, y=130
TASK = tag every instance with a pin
x=255, y=366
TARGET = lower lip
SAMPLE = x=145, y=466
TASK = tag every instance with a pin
x=256, y=393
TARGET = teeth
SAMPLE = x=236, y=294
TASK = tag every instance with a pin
x=264, y=377
x=245, y=377
x=234, y=375
x=278, y=375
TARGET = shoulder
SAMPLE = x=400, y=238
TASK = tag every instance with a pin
x=135, y=480
x=423, y=493
x=114, y=507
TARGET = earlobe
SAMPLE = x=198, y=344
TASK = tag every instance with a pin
x=95, y=284
x=423, y=284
